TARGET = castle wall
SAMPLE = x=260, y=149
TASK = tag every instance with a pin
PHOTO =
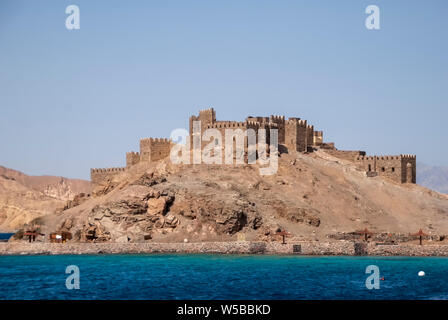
x=345, y=154
x=401, y=169
x=257, y=119
x=154, y=149
x=208, y=121
x=296, y=134
x=222, y=126
x=160, y=149
x=318, y=138
x=102, y=176
x=309, y=136
x=291, y=135
x=365, y=163
x=272, y=122
x=280, y=122
x=132, y=158
x=390, y=167
x=327, y=145
x=207, y=117
x=408, y=168
x=302, y=136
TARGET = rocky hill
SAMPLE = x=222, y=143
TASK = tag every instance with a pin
x=24, y=198
x=313, y=196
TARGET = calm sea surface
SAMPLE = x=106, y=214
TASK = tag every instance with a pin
x=220, y=277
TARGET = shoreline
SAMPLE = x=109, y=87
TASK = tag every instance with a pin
x=342, y=248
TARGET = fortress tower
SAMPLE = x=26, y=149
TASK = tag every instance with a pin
x=132, y=158
x=154, y=149
x=401, y=169
x=280, y=122
x=309, y=137
x=296, y=135
x=206, y=116
x=318, y=138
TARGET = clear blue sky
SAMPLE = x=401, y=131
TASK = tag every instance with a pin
x=71, y=100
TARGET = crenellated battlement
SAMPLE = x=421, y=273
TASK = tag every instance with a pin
x=253, y=124
x=363, y=158
x=103, y=175
x=207, y=115
x=247, y=124
x=258, y=119
x=274, y=118
x=389, y=157
x=227, y=124
x=384, y=157
x=155, y=140
x=154, y=149
x=296, y=121
x=309, y=137
x=208, y=110
x=132, y=158
x=106, y=170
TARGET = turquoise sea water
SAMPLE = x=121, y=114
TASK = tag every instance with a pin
x=220, y=277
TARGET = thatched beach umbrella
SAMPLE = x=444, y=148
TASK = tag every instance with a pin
x=284, y=234
x=32, y=232
x=366, y=233
x=31, y=235
x=420, y=234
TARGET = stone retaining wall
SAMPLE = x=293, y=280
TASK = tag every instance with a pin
x=243, y=247
x=407, y=250
x=300, y=248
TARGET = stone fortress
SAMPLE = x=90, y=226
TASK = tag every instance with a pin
x=294, y=135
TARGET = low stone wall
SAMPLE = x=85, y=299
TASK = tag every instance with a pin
x=346, y=248
x=407, y=250
x=243, y=247
x=383, y=237
x=349, y=155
